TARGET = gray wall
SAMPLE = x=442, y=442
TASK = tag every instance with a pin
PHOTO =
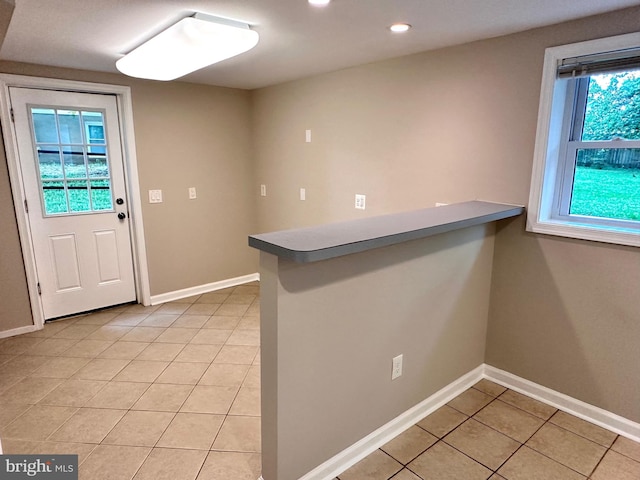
x=459, y=124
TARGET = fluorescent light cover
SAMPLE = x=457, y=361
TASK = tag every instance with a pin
x=319, y=3
x=399, y=27
x=189, y=45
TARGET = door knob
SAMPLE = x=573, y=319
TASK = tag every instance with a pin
x=122, y=215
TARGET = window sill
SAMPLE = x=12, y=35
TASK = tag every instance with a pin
x=615, y=235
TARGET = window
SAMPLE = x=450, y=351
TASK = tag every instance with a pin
x=586, y=175
x=72, y=161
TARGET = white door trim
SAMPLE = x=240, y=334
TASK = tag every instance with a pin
x=125, y=113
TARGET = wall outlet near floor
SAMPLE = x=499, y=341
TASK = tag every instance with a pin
x=263, y=190
x=192, y=193
x=439, y=204
x=360, y=201
x=155, y=196
x=396, y=369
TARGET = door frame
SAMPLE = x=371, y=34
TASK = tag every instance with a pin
x=132, y=184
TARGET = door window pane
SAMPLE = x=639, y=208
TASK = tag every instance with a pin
x=74, y=166
x=49, y=162
x=79, y=196
x=55, y=198
x=98, y=166
x=71, y=149
x=101, y=195
x=94, y=131
x=44, y=121
x=70, y=127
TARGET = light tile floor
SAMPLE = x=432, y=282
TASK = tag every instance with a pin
x=173, y=391
x=170, y=391
x=490, y=432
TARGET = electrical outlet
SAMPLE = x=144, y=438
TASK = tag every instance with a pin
x=360, y=201
x=396, y=368
x=439, y=204
x=155, y=196
x=192, y=193
x=263, y=190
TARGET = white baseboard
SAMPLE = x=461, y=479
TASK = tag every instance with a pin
x=200, y=289
x=356, y=452
x=359, y=450
x=603, y=418
x=19, y=331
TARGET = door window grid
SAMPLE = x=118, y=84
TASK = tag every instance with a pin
x=72, y=160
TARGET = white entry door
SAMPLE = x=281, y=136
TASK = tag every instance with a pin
x=70, y=157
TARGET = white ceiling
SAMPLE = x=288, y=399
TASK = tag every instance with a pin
x=296, y=39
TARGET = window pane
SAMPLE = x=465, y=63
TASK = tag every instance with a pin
x=78, y=196
x=101, y=195
x=49, y=161
x=606, y=183
x=44, y=125
x=70, y=128
x=74, y=162
x=98, y=166
x=55, y=198
x=613, y=107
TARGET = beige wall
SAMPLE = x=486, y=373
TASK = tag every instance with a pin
x=443, y=126
x=566, y=314
x=331, y=328
x=186, y=135
x=459, y=124
x=15, y=308
x=6, y=12
x=195, y=136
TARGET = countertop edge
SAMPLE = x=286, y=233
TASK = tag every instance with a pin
x=332, y=251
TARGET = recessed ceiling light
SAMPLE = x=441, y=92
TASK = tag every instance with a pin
x=189, y=45
x=399, y=27
x=319, y=3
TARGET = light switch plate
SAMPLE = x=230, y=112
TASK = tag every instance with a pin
x=360, y=201
x=155, y=196
x=192, y=193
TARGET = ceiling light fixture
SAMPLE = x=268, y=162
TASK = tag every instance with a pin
x=192, y=43
x=319, y=3
x=399, y=27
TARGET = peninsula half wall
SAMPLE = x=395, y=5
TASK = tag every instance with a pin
x=338, y=302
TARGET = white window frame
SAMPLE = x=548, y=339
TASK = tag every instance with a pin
x=548, y=198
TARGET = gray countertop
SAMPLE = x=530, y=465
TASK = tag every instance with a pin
x=322, y=242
